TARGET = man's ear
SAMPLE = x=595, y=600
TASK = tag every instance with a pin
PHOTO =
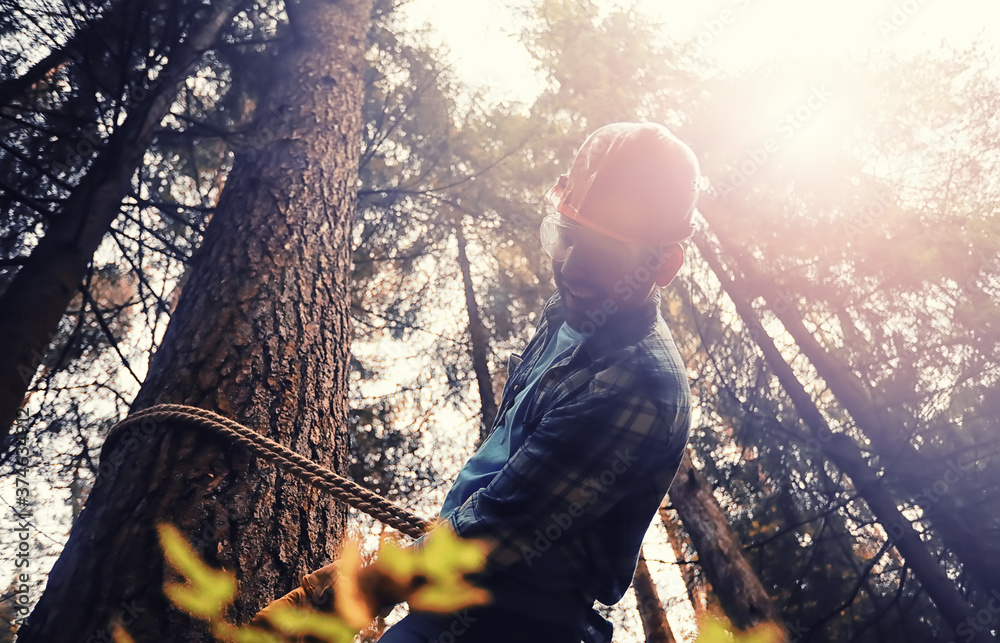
x=673, y=259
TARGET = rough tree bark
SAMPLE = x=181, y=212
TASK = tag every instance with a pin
x=647, y=600
x=260, y=334
x=720, y=553
x=40, y=292
x=479, y=339
x=844, y=453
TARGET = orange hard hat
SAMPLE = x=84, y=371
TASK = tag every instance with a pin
x=636, y=182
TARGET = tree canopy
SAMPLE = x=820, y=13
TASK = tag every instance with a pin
x=838, y=312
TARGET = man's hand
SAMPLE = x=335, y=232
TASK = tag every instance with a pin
x=315, y=592
x=431, y=576
x=371, y=591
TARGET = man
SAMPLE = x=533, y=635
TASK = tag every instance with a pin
x=594, y=416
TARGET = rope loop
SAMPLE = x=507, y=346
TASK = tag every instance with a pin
x=285, y=459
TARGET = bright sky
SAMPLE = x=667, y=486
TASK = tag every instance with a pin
x=482, y=34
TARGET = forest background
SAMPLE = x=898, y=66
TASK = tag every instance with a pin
x=838, y=312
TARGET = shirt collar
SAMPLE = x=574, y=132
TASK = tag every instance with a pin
x=621, y=329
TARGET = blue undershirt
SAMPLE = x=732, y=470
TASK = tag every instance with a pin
x=491, y=457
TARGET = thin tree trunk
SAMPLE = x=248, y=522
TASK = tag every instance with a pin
x=35, y=300
x=720, y=553
x=86, y=38
x=887, y=436
x=77, y=493
x=261, y=334
x=651, y=612
x=479, y=338
x=14, y=88
x=846, y=456
x=695, y=588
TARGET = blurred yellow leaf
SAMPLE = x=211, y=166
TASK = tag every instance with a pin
x=434, y=578
x=448, y=597
x=443, y=561
x=296, y=622
x=207, y=591
x=397, y=562
x=446, y=555
x=120, y=635
x=348, y=596
x=712, y=629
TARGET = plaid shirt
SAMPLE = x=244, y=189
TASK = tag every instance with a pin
x=605, y=430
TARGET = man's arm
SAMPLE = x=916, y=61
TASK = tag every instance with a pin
x=581, y=460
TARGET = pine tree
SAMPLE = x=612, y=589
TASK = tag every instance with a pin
x=260, y=334
x=651, y=611
x=35, y=300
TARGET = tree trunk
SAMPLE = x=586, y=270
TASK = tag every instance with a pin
x=479, y=339
x=18, y=87
x=720, y=553
x=91, y=35
x=887, y=436
x=694, y=585
x=260, y=334
x=651, y=612
x=35, y=300
x=846, y=456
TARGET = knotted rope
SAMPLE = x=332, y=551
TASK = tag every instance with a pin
x=285, y=459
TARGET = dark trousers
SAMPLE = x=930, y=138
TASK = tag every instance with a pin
x=478, y=625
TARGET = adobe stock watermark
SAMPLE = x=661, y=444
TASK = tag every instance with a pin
x=713, y=28
x=902, y=13
x=131, y=439
x=22, y=515
x=984, y=619
x=460, y=624
x=870, y=214
x=637, y=280
x=592, y=488
x=876, y=209
x=126, y=616
x=786, y=126
x=933, y=493
x=27, y=371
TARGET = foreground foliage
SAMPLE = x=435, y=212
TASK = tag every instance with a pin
x=438, y=569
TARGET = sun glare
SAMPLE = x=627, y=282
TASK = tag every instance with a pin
x=733, y=34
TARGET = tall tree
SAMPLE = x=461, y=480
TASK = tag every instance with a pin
x=694, y=583
x=37, y=297
x=478, y=337
x=889, y=434
x=844, y=453
x=807, y=535
x=89, y=25
x=720, y=555
x=260, y=334
x=651, y=612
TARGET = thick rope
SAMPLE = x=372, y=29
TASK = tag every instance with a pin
x=284, y=458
